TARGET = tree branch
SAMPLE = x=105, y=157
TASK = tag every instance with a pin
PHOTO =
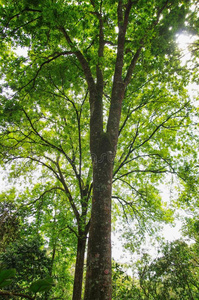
x=11, y=294
x=82, y=60
x=130, y=112
x=43, y=64
x=80, y=138
x=71, y=229
x=68, y=192
x=44, y=193
x=99, y=72
x=132, y=66
x=118, y=87
x=13, y=31
x=137, y=54
x=159, y=126
x=158, y=171
x=122, y=25
x=95, y=99
x=18, y=14
x=128, y=153
x=43, y=164
x=59, y=149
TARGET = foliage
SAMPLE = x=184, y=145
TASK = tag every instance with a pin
x=41, y=285
x=51, y=102
x=6, y=277
x=96, y=77
x=125, y=287
x=29, y=261
x=9, y=221
x=173, y=275
x=32, y=261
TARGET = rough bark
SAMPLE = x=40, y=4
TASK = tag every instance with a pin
x=98, y=277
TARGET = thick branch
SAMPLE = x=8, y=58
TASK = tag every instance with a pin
x=96, y=119
x=122, y=25
x=132, y=66
x=100, y=52
x=80, y=138
x=118, y=88
x=82, y=60
x=137, y=54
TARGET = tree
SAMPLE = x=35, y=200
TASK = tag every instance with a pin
x=173, y=275
x=10, y=223
x=24, y=263
x=29, y=260
x=118, y=61
x=41, y=285
x=124, y=286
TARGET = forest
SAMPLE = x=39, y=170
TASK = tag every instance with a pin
x=99, y=147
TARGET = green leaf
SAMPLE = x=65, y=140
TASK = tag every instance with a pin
x=42, y=285
x=5, y=277
x=5, y=283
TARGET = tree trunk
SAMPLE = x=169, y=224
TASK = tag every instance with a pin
x=98, y=277
x=79, y=268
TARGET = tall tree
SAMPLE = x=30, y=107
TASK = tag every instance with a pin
x=117, y=59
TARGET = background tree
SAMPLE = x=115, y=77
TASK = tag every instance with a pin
x=23, y=259
x=30, y=262
x=104, y=74
x=171, y=276
x=10, y=222
x=124, y=286
x=58, y=165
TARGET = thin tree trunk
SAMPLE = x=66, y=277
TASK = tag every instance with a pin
x=79, y=268
x=52, y=259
